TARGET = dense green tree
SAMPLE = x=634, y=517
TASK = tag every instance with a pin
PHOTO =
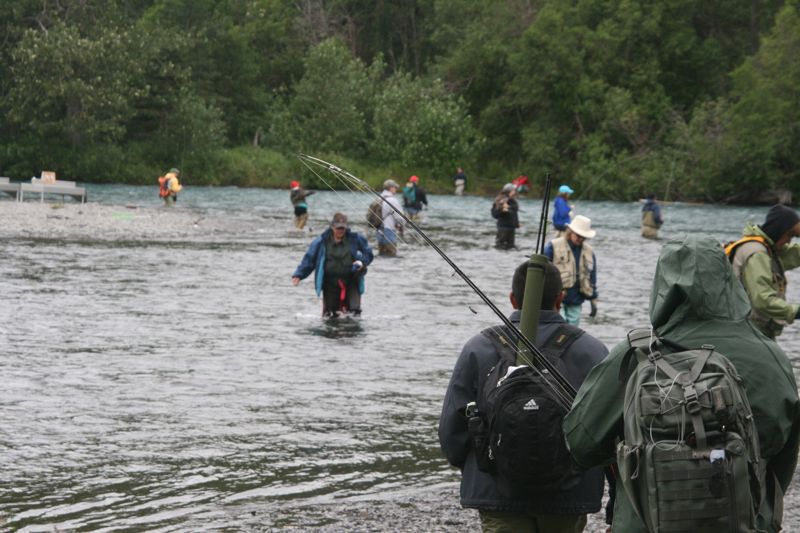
x=330, y=108
x=420, y=125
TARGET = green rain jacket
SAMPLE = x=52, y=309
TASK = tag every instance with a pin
x=695, y=300
x=765, y=282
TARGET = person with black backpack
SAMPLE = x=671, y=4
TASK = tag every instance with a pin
x=700, y=410
x=503, y=505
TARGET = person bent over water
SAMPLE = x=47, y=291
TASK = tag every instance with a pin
x=339, y=258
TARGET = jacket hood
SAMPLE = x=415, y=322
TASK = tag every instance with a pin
x=694, y=281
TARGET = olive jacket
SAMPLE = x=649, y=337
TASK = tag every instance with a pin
x=696, y=299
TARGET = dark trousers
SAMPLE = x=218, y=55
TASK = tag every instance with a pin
x=505, y=238
x=341, y=297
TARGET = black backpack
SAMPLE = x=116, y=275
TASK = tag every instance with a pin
x=517, y=429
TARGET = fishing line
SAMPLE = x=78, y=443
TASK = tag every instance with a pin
x=353, y=187
x=564, y=391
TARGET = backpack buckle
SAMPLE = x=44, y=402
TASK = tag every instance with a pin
x=654, y=356
x=692, y=405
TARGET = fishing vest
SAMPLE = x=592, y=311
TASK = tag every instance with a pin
x=564, y=261
x=739, y=252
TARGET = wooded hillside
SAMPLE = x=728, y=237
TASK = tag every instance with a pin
x=690, y=99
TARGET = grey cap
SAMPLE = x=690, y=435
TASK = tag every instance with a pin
x=339, y=221
x=388, y=184
x=508, y=187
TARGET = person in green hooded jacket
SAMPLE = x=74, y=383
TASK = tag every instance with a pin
x=760, y=260
x=695, y=300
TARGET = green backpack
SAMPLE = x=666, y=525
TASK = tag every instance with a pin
x=690, y=458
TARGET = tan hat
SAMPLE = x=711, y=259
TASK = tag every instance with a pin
x=582, y=226
x=388, y=184
x=339, y=221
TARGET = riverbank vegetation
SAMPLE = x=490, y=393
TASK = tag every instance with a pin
x=691, y=99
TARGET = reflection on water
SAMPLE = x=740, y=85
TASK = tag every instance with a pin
x=340, y=327
x=180, y=382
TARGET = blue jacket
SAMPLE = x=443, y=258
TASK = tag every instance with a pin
x=478, y=489
x=651, y=205
x=561, y=213
x=314, y=259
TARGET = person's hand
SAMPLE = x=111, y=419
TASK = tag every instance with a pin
x=357, y=266
x=295, y=281
x=593, y=312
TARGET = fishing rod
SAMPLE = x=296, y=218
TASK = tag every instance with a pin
x=562, y=386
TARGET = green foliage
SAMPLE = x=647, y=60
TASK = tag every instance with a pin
x=330, y=108
x=690, y=99
x=418, y=123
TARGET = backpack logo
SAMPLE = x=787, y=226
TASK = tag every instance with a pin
x=531, y=405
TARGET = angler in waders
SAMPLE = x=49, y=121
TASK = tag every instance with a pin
x=169, y=186
x=298, y=196
x=391, y=221
x=760, y=260
x=576, y=261
x=562, y=510
x=695, y=300
x=339, y=259
x=651, y=217
x=562, y=210
x=505, y=210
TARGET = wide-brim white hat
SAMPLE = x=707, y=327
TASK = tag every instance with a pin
x=582, y=226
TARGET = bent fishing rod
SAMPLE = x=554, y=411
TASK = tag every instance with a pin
x=567, y=391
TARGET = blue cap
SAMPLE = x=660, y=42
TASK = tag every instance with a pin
x=565, y=189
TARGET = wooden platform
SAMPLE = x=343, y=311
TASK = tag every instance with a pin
x=60, y=187
x=11, y=189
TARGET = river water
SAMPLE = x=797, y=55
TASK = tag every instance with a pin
x=161, y=373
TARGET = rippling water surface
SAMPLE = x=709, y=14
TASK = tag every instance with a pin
x=180, y=382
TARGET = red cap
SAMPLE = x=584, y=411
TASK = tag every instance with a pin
x=294, y=184
x=413, y=179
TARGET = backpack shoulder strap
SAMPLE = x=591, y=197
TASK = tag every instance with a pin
x=641, y=339
x=501, y=340
x=560, y=340
x=554, y=347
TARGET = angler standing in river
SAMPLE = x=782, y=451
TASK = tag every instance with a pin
x=339, y=259
x=392, y=222
x=651, y=217
x=561, y=510
x=505, y=210
x=414, y=198
x=169, y=186
x=576, y=261
x=562, y=210
x=298, y=197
